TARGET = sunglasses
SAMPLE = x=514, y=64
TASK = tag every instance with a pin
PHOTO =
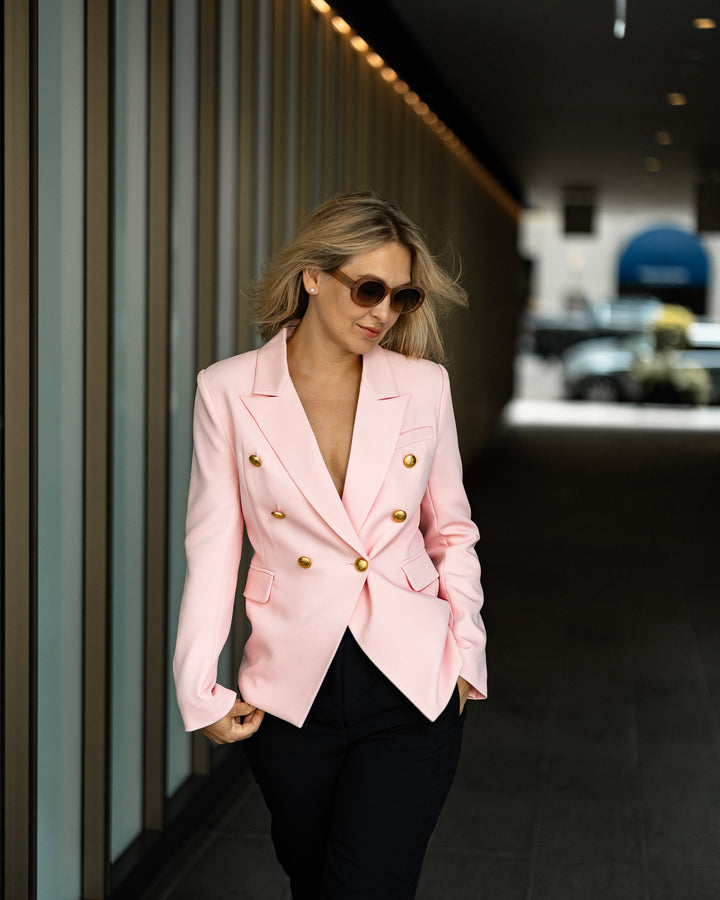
x=368, y=292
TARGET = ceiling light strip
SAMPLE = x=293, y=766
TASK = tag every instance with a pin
x=488, y=181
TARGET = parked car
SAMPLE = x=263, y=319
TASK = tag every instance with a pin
x=601, y=369
x=551, y=335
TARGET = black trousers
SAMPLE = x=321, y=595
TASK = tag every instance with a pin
x=355, y=793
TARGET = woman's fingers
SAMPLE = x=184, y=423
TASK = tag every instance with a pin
x=252, y=722
x=240, y=723
x=463, y=689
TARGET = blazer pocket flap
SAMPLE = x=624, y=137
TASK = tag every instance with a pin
x=420, y=572
x=414, y=435
x=258, y=584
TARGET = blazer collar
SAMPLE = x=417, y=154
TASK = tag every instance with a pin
x=276, y=407
x=271, y=369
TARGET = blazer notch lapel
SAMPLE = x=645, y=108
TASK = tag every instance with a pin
x=271, y=371
x=378, y=421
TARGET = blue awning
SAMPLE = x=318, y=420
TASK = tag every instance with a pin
x=664, y=257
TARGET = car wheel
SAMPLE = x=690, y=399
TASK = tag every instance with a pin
x=599, y=389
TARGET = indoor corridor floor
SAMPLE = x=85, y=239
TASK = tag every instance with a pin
x=593, y=771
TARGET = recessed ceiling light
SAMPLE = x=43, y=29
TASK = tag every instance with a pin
x=676, y=99
x=340, y=25
x=664, y=138
x=321, y=6
x=358, y=43
x=704, y=24
x=652, y=164
x=375, y=60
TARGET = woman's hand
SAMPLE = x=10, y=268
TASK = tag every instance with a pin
x=240, y=723
x=464, y=690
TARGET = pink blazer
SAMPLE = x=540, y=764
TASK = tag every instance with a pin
x=393, y=559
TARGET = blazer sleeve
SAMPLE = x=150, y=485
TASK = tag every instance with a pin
x=213, y=544
x=450, y=538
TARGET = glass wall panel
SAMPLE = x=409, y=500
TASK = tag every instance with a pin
x=317, y=112
x=182, y=341
x=128, y=527
x=294, y=107
x=263, y=125
x=227, y=185
x=227, y=280
x=60, y=114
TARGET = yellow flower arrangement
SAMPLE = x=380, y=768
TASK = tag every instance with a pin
x=662, y=372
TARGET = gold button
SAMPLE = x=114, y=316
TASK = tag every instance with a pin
x=361, y=564
x=399, y=515
x=304, y=562
x=277, y=514
x=409, y=461
x=255, y=460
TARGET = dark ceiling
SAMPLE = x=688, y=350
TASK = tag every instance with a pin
x=546, y=95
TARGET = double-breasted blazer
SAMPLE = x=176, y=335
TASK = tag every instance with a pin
x=393, y=559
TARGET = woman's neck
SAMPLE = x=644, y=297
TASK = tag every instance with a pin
x=308, y=356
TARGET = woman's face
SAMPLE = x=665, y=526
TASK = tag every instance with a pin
x=333, y=315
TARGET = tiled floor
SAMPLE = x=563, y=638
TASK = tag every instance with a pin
x=593, y=772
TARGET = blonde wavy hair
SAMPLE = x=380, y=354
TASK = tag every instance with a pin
x=338, y=230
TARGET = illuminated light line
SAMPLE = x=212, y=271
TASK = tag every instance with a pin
x=490, y=184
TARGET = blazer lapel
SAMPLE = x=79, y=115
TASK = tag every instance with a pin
x=278, y=412
x=378, y=421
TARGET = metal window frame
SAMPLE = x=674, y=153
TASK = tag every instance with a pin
x=19, y=449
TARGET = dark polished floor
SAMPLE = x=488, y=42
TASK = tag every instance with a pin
x=593, y=771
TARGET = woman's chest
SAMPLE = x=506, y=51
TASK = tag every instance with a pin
x=331, y=415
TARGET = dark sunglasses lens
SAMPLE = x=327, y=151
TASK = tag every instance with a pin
x=370, y=293
x=407, y=300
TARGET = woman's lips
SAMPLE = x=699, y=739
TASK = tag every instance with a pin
x=370, y=332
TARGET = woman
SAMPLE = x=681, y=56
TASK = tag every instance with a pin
x=334, y=445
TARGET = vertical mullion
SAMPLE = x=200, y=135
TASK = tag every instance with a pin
x=262, y=126
x=19, y=549
x=362, y=122
x=279, y=135
x=329, y=109
x=227, y=177
x=246, y=161
x=206, y=232
x=156, y=575
x=349, y=101
x=98, y=356
x=305, y=148
x=290, y=150
x=207, y=181
x=245, y=218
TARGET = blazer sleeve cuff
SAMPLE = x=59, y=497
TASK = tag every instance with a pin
x=474, y=671
x=476, y=695
x=221, y=701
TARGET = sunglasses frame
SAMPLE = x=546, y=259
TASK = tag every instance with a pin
x=357, y=284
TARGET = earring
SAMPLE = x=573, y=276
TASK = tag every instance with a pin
x=313, y=290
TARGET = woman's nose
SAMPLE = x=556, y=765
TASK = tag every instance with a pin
x=382, y=310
